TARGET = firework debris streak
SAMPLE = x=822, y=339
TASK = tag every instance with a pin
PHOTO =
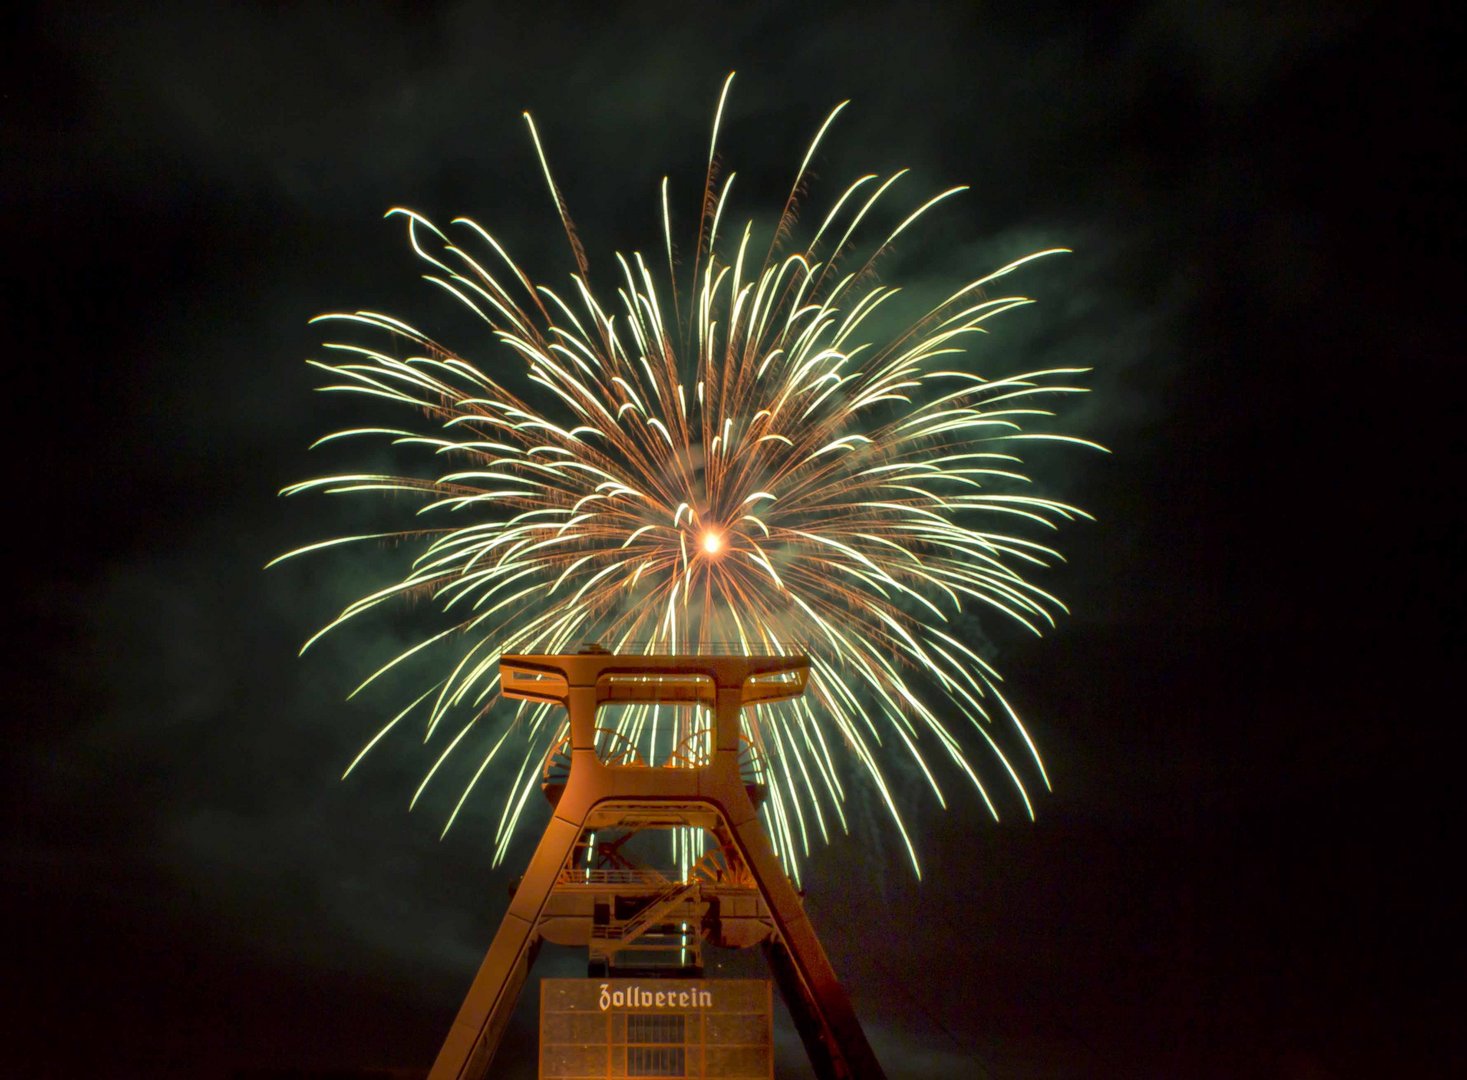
x=742, y=462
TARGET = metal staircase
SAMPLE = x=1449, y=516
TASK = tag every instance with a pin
x=650, y=915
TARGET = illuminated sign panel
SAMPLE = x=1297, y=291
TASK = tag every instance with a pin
x=718, y=1029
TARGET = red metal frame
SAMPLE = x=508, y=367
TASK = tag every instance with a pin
x=597, y=793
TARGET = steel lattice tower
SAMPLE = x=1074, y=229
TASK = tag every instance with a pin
x=739, y=896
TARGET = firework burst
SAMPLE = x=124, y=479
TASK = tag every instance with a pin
x=742, y=464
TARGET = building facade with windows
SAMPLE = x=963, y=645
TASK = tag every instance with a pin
x=711, y=1029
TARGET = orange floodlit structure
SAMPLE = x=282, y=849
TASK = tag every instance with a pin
x=637, y=920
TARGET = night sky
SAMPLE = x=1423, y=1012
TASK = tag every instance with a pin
x=1244, y=867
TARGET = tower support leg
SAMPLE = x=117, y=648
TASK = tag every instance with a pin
x=485, y=1013
x=802, y=1009
x=815, y=997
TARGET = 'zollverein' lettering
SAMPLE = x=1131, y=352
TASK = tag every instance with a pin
x=634, y=997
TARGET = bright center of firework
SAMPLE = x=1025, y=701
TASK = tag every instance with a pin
x=712, y=542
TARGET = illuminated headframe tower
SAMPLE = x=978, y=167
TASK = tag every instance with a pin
x=577, y=892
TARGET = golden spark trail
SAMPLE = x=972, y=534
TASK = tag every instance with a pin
x=763, y=470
